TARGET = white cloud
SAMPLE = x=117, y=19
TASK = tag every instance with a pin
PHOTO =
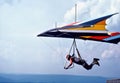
x=111, y=52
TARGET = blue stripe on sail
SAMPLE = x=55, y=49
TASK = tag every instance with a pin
x=92, y=22
x=112, y=38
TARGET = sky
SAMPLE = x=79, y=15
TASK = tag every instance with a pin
x=22, y=52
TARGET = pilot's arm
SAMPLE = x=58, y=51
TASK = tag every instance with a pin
x=71, y=62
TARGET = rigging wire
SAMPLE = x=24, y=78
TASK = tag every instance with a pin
x=60, y=45
x=53, y=49
x=61, y=51
x=48, y=45
x=73, y=47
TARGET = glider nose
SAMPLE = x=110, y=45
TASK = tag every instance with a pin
x=42, y=34
x=38, y=35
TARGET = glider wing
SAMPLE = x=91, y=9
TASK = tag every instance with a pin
x=92, y=30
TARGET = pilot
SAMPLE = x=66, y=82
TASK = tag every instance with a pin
x=80, y=61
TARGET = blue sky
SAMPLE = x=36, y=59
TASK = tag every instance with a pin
x=22, y=52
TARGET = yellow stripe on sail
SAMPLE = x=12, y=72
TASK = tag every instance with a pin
x=98, y=26
x=94, y=27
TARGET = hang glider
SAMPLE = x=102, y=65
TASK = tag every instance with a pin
x=91, y=30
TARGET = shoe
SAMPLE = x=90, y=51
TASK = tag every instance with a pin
x=95, y=61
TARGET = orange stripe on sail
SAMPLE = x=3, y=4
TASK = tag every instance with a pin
x=101, y=23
